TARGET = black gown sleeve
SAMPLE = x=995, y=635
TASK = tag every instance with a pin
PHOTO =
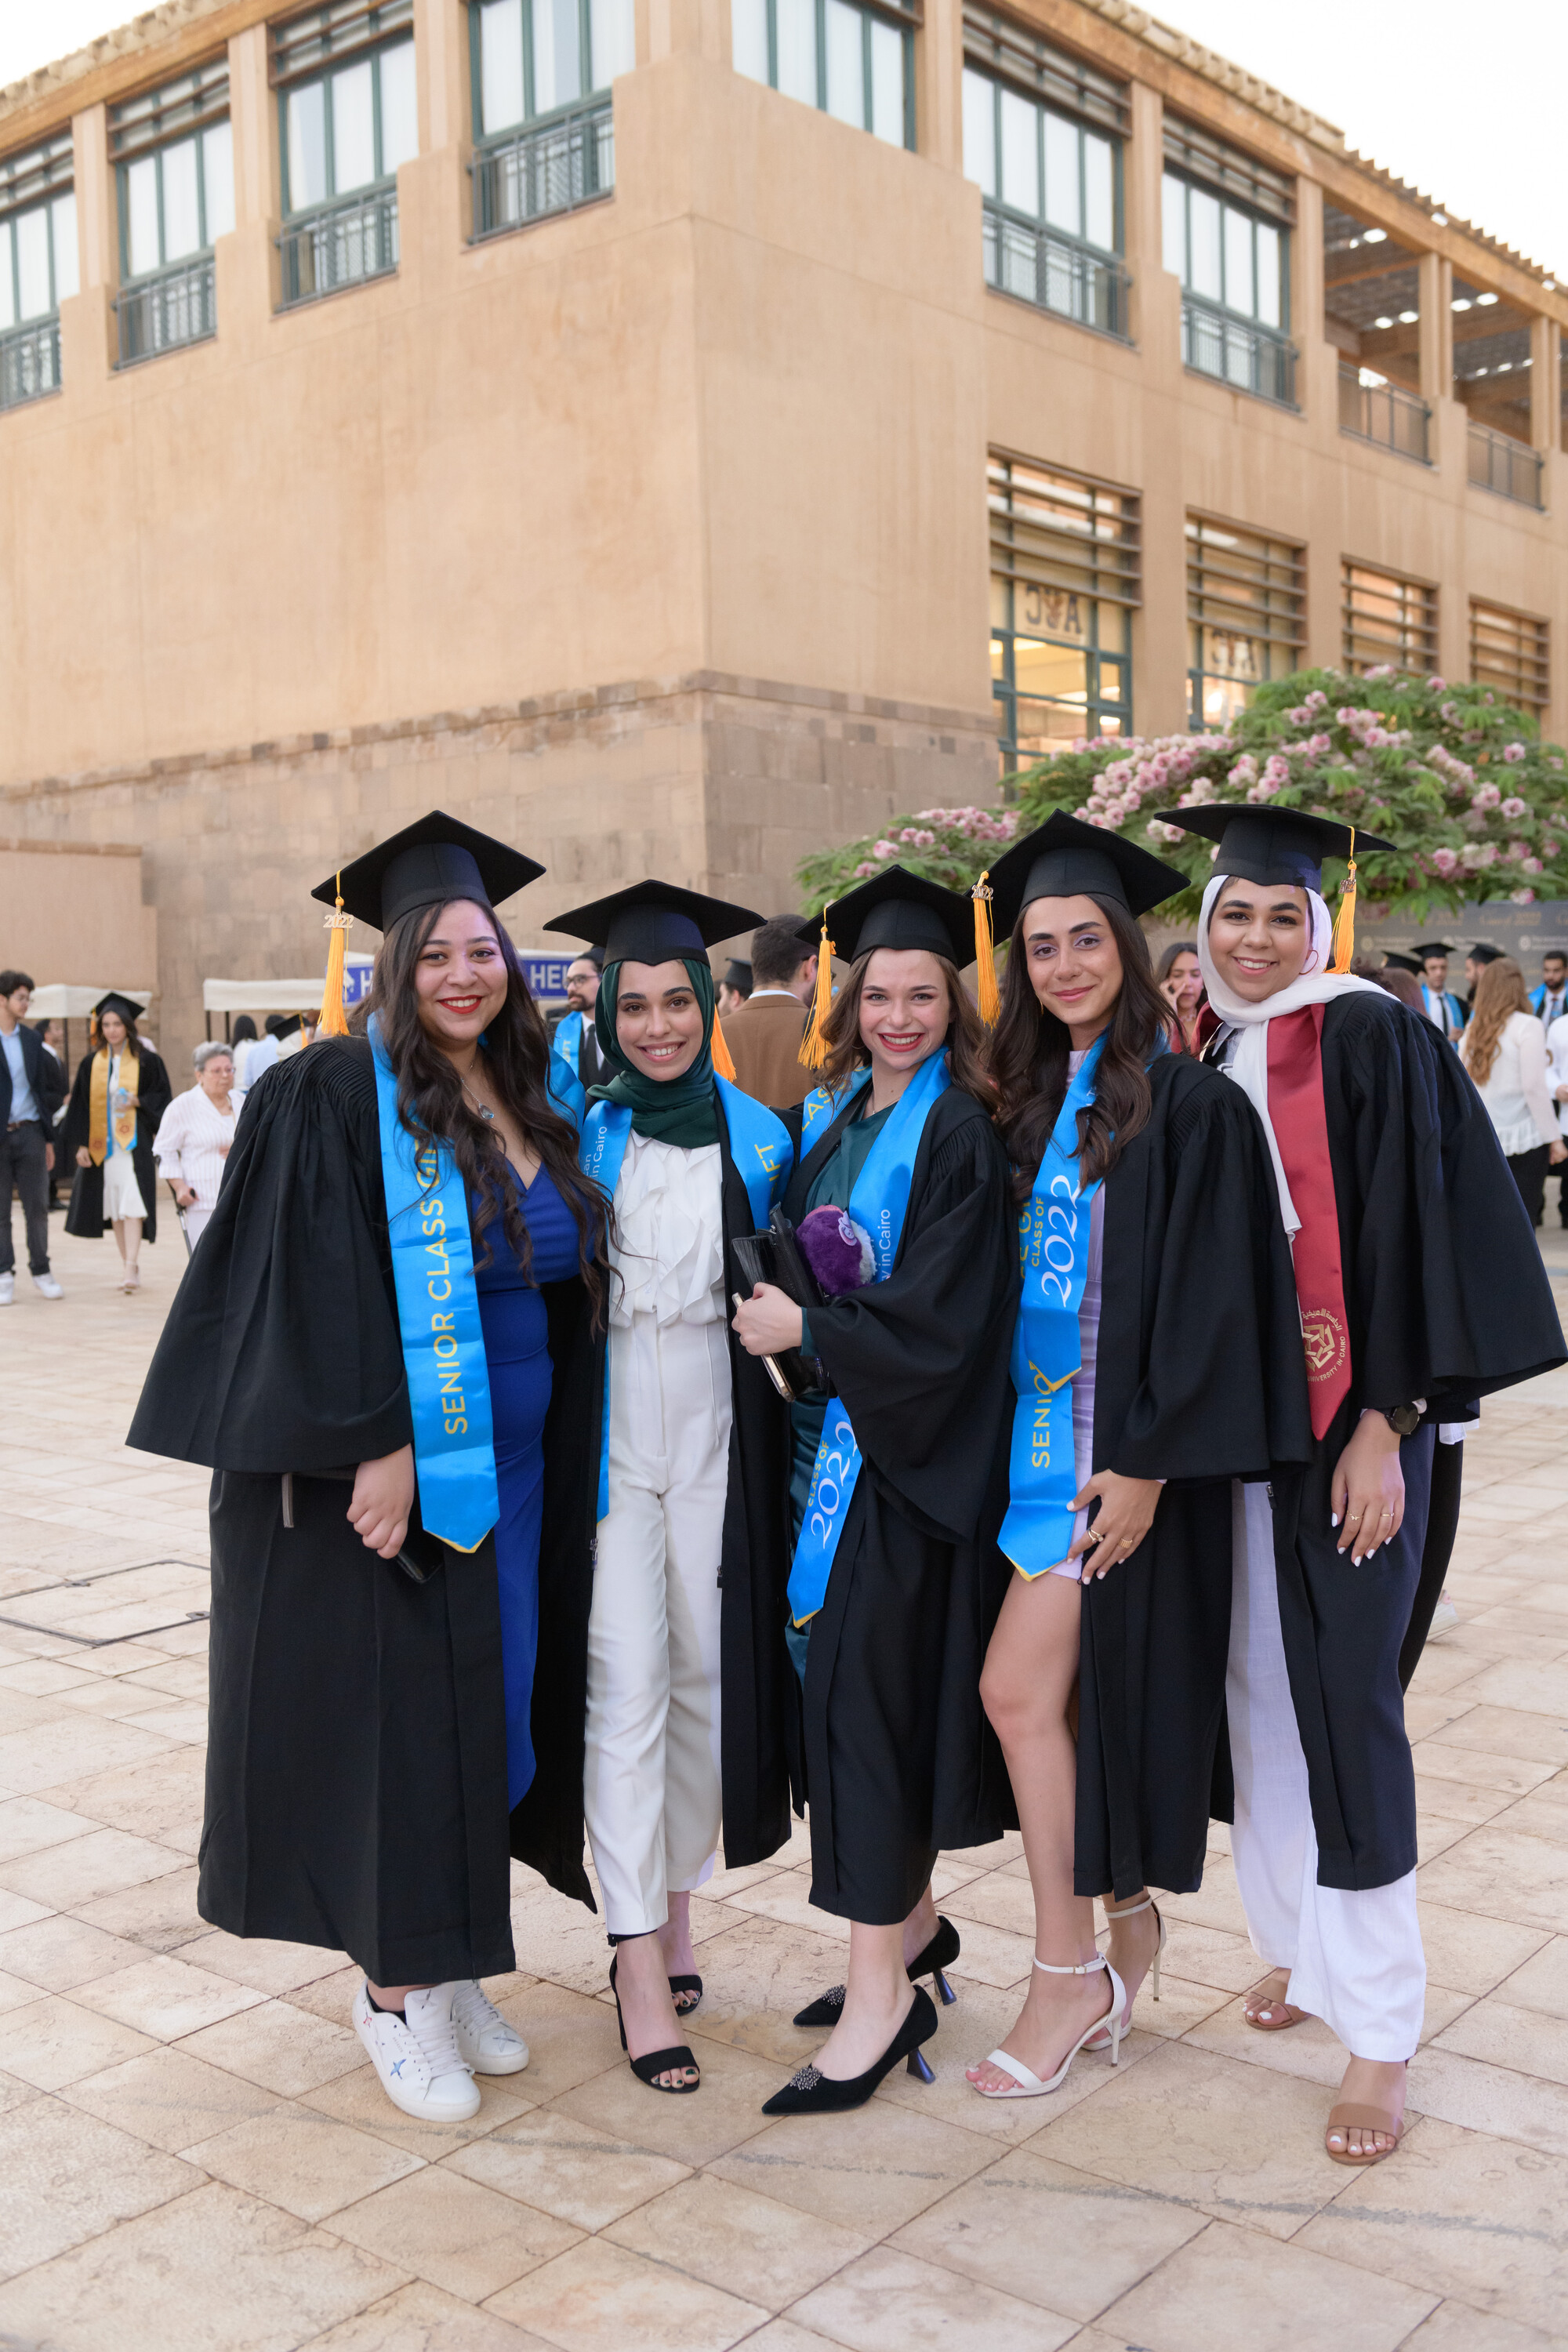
x=920, y=1359
x=1446, y=1293
x=1224, y=1390
x=154, y=1093
x=282, y=1349
x=73, y=1128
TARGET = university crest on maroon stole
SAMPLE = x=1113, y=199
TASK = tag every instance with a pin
x=1300, y=1128
x=1323, y=1338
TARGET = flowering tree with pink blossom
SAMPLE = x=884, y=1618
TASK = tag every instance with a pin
x=1454, y=775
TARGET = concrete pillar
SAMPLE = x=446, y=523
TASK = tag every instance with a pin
x=1318, y=361
x=939, y=70
x=247, y=263
x=87, y=336
x=441, y=61
x=1435, y=302
x=702, y=26
x=1141, y=168
x=1545, y=373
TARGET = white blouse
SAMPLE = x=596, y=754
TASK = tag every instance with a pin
x=188, y=1146
x=670, y=1256
x=1517, y=1096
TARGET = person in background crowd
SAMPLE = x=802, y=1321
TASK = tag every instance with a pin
x=194, y=1135
x=1504, y=1050
x=574, y=1046
x=1548, y=999
x=54, y=1038
x=1557, y=1080
x=1400, y=975
x=32, y=1088
x=1476, y=962
x=120, y=1093
x=1181, y=983
x=1438, y=1001
x=242, y=1038
x=765, y=1033
x=734, y=988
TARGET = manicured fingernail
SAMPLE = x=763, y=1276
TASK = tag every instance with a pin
x=1333, y=1518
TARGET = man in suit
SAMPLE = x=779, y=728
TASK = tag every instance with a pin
x=1551, y=999
x=1442, y=1006
x=32, y=1088
x=764, y=1035
x=574, y=1046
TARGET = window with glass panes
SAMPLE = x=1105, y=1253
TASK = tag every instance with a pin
x=1389, y=621
x=1042, y=139
x=173, y=153
x=1246, y=599
x=345, y=77
x=1065, y=581
x=37, y=232
x=1226, y=224
x=854, y=63
x=1508, y=653
x=532, y=56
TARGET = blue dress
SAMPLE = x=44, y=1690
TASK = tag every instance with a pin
x=517, y=1355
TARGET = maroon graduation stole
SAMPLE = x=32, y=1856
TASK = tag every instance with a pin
x=1301, y=1130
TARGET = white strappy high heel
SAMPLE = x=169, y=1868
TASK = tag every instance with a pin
x=1131, y=1912
x=1029, y=2086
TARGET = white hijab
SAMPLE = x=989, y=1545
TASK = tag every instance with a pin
x=1249, y=1065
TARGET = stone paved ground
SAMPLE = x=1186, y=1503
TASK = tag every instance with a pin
x=195, y=2157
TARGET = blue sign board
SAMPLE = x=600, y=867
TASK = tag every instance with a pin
x=544, y=968
x=357, y=969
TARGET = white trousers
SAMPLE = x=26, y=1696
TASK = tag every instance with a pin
x=652, y=1791
x=1354, y=1956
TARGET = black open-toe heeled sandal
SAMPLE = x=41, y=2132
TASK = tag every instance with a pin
x=679, y=1987
x=657, y=2061
x=938, y=1954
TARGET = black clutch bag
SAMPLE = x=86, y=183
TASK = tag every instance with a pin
x=775, y=1257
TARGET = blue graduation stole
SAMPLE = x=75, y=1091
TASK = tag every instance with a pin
x=821, y=1108
x=759, y=1146
x=1053, y=1235
x=439, y=1323
x=880, y=1197
x=564, y=1048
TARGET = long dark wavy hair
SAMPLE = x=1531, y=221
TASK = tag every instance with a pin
x=430, y=1100
x=1029, y=1051
x=965, y=1036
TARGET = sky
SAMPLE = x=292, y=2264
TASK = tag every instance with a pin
x=1473, y=120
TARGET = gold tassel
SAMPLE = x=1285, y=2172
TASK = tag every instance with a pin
x=1344, y=918
x=813, y=1049
x=334, y=1022
x=723, y=1060
x=985, y=953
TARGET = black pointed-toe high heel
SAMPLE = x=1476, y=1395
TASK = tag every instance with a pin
x=938, y=1956
x=812, y=2092
x=657, y=2061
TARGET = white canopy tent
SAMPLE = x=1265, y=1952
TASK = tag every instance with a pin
x=61, y=1002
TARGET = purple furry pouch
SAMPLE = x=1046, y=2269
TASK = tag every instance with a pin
x=837, y=1251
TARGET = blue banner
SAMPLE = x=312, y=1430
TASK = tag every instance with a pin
x=880, y=1197
x=1053, y=1236
x=438, y=1322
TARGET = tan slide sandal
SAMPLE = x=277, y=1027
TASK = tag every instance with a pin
x=1274, y=2015
x=1351, y=2118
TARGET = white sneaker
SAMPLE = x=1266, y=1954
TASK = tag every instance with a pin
x=48, y=1287
x=7, y=1288
x=416, y=2056
x=485, y=2042
x=1445, y=1617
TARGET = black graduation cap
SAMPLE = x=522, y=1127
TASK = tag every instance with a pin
x=1066, y=858
x=656, y=922
x=114, y=1003
x=738, y=976
x=285, y=1026
x=426, y=865
x=1273, y=846
x=1402, y=963
x=1426, y=948
x=898, y=910
x=1481, y=953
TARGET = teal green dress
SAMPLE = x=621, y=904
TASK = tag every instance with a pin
x=832, y=1189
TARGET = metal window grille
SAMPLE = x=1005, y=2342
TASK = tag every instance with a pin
x=1066, y=565
x=1497, y=462
x=1240, y=353
x=46, y=169
x=1508, y=653
x=327, y=35
x=1246, y=609
x=1200, y=154
x=29, y=362
x=189, y=104
x=1053, y=271
x=1388, y=621
x=1003, y=45
x=338, y=244
x=172, y=308
x=1385, y=413
x=550, y=167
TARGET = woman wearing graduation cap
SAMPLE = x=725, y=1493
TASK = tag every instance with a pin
x=1420, y=1288
x=120, y=1093
x=386, y=1350
x=1156, y=1355
x=891, y=1591
x=687, y=1671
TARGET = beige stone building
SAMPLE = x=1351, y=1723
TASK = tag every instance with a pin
x=674, y=432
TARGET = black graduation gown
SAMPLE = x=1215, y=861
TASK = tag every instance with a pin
x=898, y=1757
x=1199, y=1379
x=1445, y=1298
x=356, y=1788
x=85, y=1216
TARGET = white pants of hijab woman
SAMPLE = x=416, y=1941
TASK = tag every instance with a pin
x=652, y=1793
x=1354, y=1956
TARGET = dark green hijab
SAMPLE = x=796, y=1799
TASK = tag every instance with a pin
x=683, y=1110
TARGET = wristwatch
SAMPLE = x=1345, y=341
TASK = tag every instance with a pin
x=1404, y=1420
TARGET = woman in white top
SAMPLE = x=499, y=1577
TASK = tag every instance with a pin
x=1504, y=1050
x=194, y=1135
